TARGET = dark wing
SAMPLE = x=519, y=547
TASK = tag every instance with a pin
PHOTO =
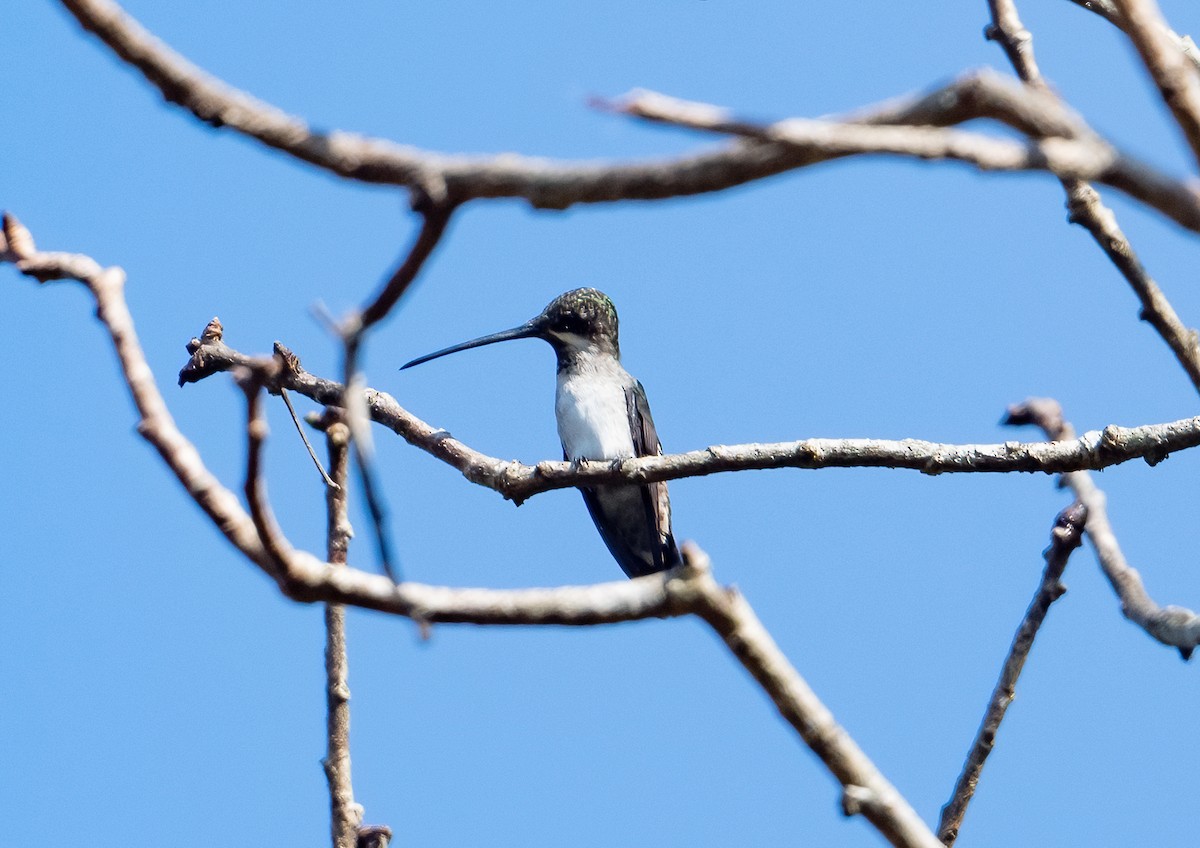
x=633, y=520
x=654, y=495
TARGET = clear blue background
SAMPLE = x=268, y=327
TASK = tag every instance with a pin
x=155, y=687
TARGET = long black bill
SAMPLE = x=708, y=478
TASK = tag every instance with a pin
x=525, y=331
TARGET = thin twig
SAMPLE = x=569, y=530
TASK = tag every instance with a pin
x=345, y=814
x=435, y=217
x=1176, y=626
x=1066, y=536
x=308, y=446
x=1087, y=210
x=363, y=445
x=276, y=546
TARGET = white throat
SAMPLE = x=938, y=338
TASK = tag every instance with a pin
x=590, y=405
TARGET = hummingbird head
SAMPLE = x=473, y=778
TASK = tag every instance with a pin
x=577, y=322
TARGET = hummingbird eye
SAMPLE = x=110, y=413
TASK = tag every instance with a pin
x=570, y=322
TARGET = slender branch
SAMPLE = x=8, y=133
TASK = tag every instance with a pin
x=1007, y=30
x=362, y=443
x=325, y=478
x=345, y=814
x=435, y=217
x=1087, y=210
x=456, y=179
x=155, y=424
x=1178, y=627
x=688, y=589
x=1079, y=156
x=1066, y=536
x=865, y=790
x=278, y=550
x=1170, y=69
x=517, y=481
x=446, y=178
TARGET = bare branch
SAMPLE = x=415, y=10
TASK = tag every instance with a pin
x=1082, y=155
x=435, y=217
x=1066, y=536
x=452, y=180
x=16, y=242
x=1106, y=9
x=865, y=790
x=445, y=178
x=1170, y=69
x=688, y=589
x=517, y=481
x=325, y=478
x=1087, y=210
x=278, y=549
x=345, y=814
x=1171, y=625
x=1007, y=30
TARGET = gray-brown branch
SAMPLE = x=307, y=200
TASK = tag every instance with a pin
x=1062, y=144
x=451, y=180
x=518, y=481
x=1066, y=536
x=345, y=813
x=688, y=589
x=1087, y=210
x=1176, y=626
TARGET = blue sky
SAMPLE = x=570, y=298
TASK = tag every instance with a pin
x=156, y=683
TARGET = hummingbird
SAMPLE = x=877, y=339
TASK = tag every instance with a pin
x=602, y=414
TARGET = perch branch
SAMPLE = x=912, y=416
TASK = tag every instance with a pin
x=688, y=589
x=1066, y=536
x=517, y=481
x=310, y=579
x=1178, y=627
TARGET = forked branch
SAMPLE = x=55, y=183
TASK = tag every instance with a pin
x=686, y=590
x=1178, y=627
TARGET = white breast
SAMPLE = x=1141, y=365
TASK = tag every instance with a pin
x=593, y=419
